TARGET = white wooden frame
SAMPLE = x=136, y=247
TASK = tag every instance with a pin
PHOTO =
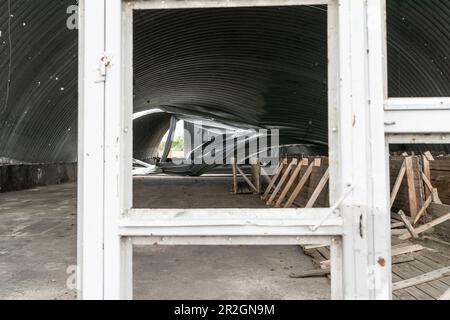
x=108, y=226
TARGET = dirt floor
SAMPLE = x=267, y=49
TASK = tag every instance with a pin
x=38, y=245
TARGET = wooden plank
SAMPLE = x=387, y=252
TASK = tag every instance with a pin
x=434, y=191
x=402, y=259
x=426, y=265
x=290, y=183
x=273, y=180
x=325, y=252
x=398, y=232
x=315, y=246
x=424, y=278
x=315, y=255
x=246, y=178
x=318, y=189
x=427, y=226
x=427, y=182
x=436, y=240
x=438, y=210
x=429, y=156
x=413, y=208
x=435, y=257
x=439, y=284
x=427, y=173
x=235, y=184
x=299, y=187
x=325, y=264
x=420, y=292
x=398, y=183
x=408, y=271
x=436, y=196
x=256, y=175
x=424, y=209
x=408, y=224
x=396, y=251
x=395, y=225
x=311, y=274
x=282, y=181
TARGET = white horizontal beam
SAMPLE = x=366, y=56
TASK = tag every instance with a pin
x=229, y=222
x=418, y=138
x=417, y=104
x=432, y=121
x=233, y=241
x=180, y=4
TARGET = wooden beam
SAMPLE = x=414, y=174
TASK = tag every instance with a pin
x=282, y=181
x=429, y=156
x=408, y=224
x=318, y=189
x=398, y=183
x=256, y=175
x=436, y=198
x=274, y=179
x=291, y=181
x=233, y=166
x=311, y=274
x=412, y=195
x=398, y=232
x=424, y=209
x=436, y=240
x=423, y=278
x=427, y=173
x=299, y=187
x=396, y=251
x=402, y=259
x=246, y=178
x=310, y=247
x=395, y=225
x=427, y=226
x=427, y=182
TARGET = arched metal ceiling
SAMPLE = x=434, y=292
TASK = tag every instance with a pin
x=253, y=67
x=263, y=67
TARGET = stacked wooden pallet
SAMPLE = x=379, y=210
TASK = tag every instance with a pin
x=299, y=183
x=421, y=195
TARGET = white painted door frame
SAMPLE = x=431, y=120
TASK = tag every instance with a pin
x=108, y=226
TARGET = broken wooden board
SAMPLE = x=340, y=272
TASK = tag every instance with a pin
x=310, y=274
x=426, y=226
x=427, y=277
x=408, y=224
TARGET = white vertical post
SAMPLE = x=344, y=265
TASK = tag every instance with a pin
x=380, y=217
x=337, y=284
x=366, y=262
x=333, y=103
x=91, y=150
x=118, y=147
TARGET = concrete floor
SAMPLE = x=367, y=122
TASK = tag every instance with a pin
x=38, y=244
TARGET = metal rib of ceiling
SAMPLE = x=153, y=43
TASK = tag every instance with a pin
x=255, y=67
